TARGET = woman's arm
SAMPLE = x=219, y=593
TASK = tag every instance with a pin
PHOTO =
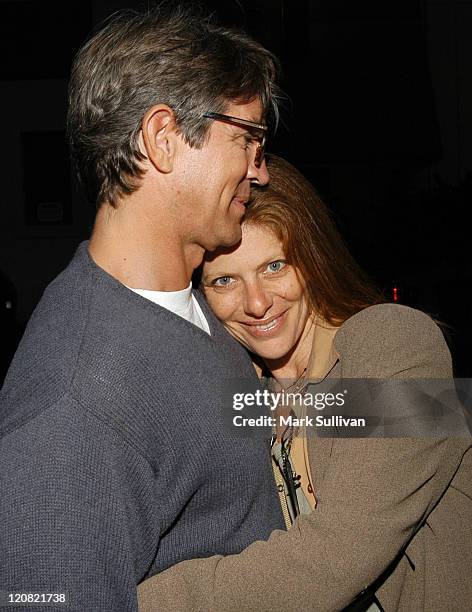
x=373, y=497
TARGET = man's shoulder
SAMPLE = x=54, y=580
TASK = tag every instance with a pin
x=83, y=310
x=113, y=350
x=42, y=367
x=46, y=360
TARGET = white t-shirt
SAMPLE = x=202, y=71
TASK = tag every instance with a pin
x=183, y=303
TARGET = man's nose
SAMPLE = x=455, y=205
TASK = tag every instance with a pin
x=257, y=300
x=258, y=175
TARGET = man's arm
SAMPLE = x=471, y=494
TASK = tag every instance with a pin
x=76, y=509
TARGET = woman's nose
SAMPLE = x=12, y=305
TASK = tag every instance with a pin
x=257, y=300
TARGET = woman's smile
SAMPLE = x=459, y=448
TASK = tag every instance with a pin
x=267, y=328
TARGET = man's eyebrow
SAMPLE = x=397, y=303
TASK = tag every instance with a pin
x=252, y=132
x=243, y=132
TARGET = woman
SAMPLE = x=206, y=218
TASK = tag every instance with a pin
x=392, y=516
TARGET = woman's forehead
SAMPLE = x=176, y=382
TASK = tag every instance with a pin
x=258, y=243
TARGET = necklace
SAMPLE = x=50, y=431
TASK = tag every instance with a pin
x=301, y=383
x=298, y=384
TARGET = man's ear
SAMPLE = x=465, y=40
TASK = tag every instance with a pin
x=159, y=137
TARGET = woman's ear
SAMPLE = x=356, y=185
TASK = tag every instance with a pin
x=159, y=137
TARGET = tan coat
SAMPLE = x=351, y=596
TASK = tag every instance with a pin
x=397, y=512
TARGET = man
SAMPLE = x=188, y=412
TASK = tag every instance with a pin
x=115, y=460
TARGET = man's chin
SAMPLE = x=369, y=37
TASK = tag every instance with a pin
x=227, y=242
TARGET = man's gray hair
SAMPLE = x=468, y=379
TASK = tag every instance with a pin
x=171, y=56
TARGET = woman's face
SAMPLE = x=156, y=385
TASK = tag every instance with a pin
x=257, y=294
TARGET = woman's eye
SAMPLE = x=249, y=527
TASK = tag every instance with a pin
x=276, y=266
x=222, y=281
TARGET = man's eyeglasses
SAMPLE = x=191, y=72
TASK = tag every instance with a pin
x=257, y=130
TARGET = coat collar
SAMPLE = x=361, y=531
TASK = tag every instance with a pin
x=324, y=365
x=323, y=355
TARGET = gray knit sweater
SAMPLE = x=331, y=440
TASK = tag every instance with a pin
x=115, y=462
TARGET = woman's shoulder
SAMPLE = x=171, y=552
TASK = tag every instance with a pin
x=386, y=339
x=390, y=316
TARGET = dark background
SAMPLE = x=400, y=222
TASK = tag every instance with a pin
x=379, y=117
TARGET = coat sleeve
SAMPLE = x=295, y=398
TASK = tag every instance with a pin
x=372, y=499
